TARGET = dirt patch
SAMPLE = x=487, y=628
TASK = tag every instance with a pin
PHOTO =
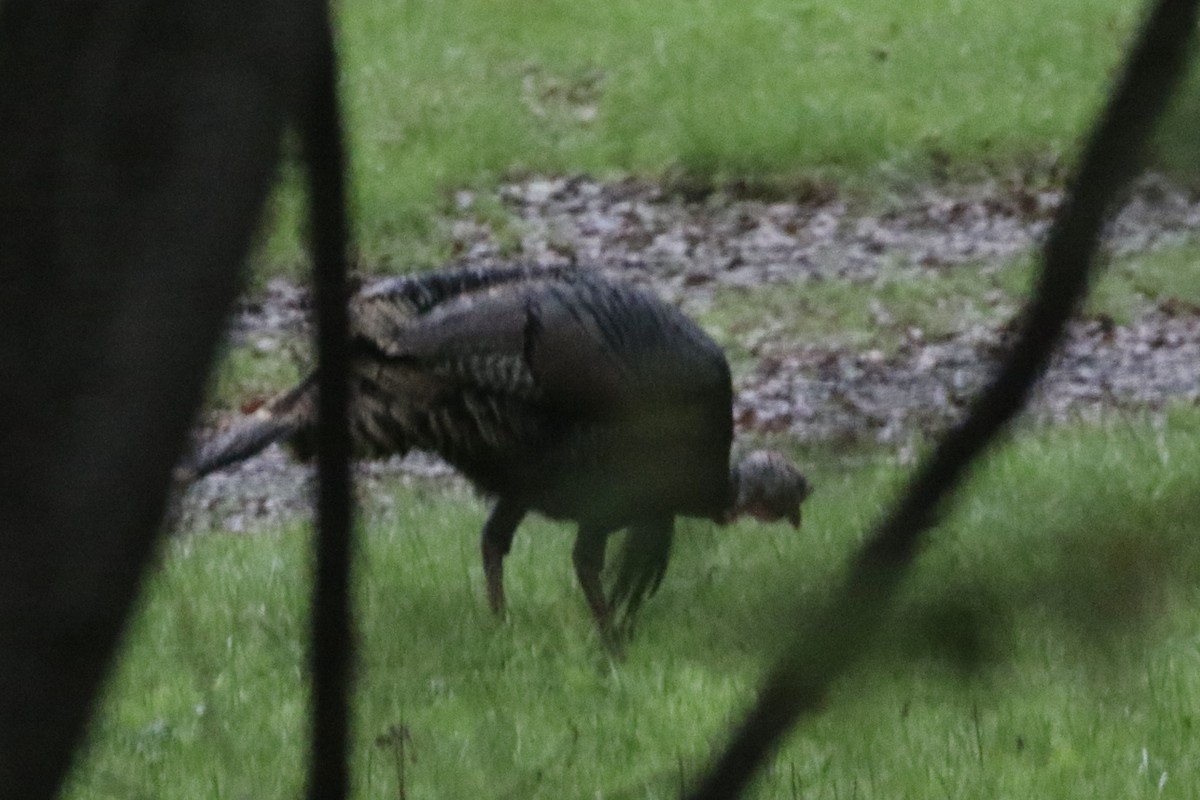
x=635, y=229
x=798, y=391
x=822, y=395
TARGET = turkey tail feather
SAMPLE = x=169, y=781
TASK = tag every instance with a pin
x=644, y=558
x=243, y=441
x=280, y=418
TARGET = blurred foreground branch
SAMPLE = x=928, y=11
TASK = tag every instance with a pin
x=846, y=627
x=332, y=640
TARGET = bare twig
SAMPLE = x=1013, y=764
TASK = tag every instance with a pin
x=399, y=739
x=844, y=629
x=978, y=732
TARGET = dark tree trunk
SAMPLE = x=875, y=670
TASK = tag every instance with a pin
x=137, y=146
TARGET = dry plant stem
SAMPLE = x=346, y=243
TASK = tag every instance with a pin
x=846, y=627
x=332, y=643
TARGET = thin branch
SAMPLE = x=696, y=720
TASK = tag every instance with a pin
x=332, y=643
x=846, y=627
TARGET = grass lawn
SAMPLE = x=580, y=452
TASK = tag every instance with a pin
x=467, y=92
x=1047, y=646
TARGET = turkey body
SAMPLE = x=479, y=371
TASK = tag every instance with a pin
x=583, y=399
x=552, y=390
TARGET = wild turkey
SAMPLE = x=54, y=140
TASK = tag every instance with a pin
x=553, y=390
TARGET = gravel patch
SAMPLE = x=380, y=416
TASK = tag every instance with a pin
x=802, y=392
x=836, y=396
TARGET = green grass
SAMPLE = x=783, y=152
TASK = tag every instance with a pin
x=1129, y=285
x=882, y=313
x=862, y=315
x=464, y=93
x=1046, y=640
x=245, y=373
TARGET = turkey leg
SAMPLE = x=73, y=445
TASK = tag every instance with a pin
x=495, y=543
x=588, y=556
